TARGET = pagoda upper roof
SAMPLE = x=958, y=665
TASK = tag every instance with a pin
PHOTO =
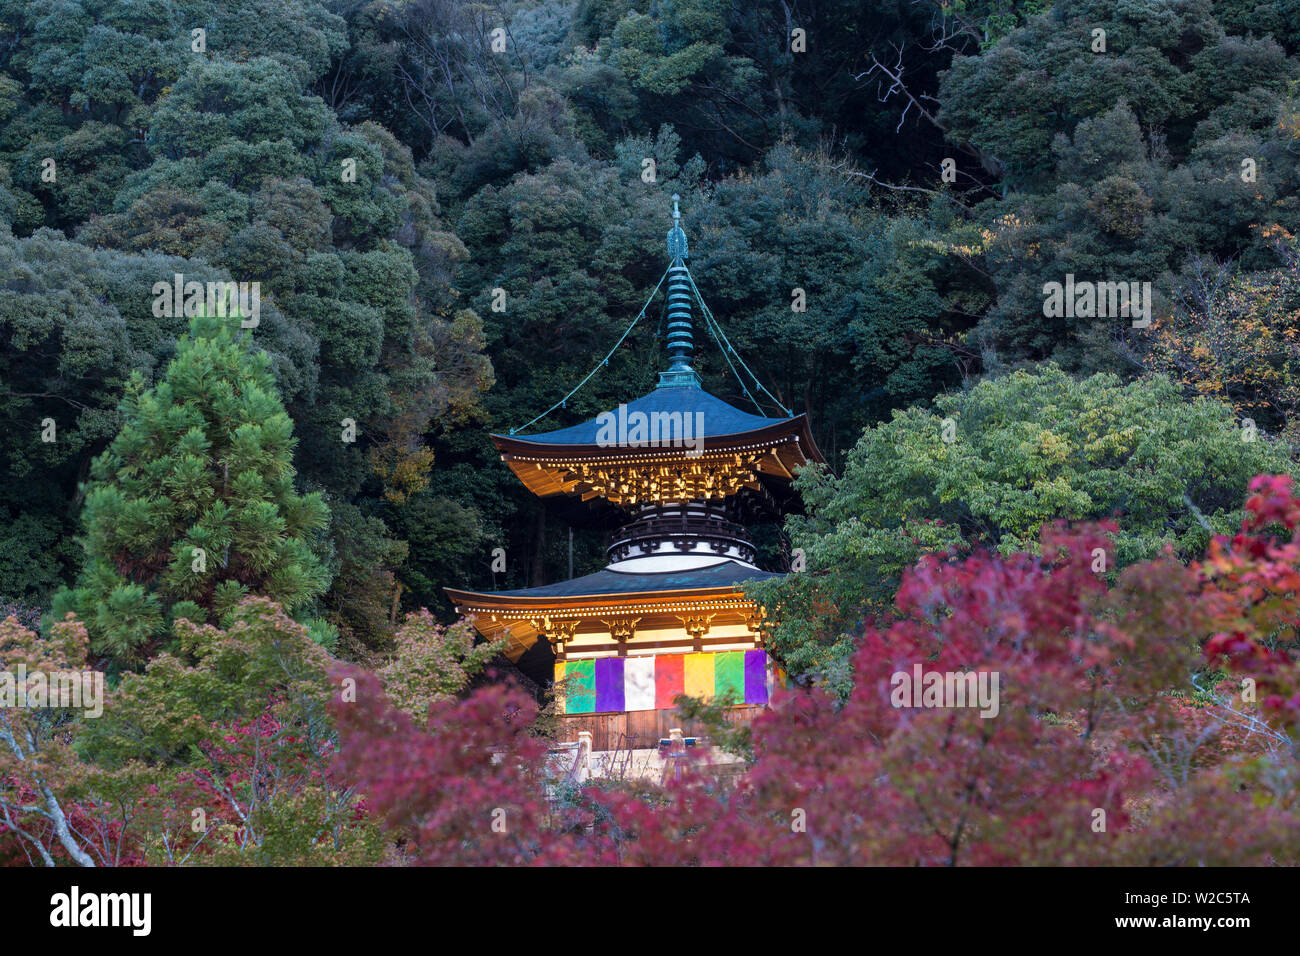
x=736, y=451
x=720, y=419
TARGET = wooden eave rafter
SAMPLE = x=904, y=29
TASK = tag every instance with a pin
x=518, y=618
x=725, y=466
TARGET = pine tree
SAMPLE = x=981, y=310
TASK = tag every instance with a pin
x=193, y=506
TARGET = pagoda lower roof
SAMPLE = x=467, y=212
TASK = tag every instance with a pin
x=724, y=575
x=586, y=604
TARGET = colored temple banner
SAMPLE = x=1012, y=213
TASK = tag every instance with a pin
x=756, y=677
x=652, y=682
x=639, y=683
x=669, y=679
x=609, y=684
x=729, y=674
x=698, y=670
x=579, y=686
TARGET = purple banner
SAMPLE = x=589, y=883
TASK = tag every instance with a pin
x=756, y=677
x=609, y=684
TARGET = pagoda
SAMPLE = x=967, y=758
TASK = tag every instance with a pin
x=682, y=471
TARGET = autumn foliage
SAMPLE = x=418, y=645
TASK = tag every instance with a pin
x=1148, y=716
x=465, y=787
x=1116, y=740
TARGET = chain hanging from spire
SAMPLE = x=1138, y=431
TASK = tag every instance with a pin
x=682, y=292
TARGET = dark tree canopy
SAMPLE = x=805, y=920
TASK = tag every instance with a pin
x=454, y=210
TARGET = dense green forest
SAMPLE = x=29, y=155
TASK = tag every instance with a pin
x=453, y=210
x=273, y=272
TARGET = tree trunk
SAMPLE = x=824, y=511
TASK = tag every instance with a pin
x=539, y=550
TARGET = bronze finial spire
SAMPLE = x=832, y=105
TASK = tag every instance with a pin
x=681, y=341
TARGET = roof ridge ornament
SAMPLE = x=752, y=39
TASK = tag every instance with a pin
x=681, y=339
x=677, y=237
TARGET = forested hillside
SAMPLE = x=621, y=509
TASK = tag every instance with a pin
x=813, y=164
